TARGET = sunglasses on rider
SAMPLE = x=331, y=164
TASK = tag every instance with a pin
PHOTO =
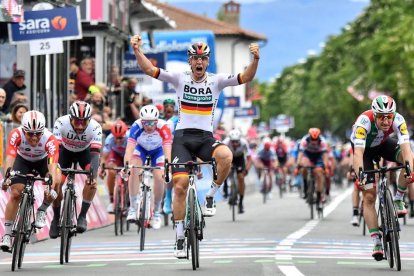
x=36, y=133
x=203, y=58
x=149, y=123
x=382, y=117
x=82, y=122
x=119, y=138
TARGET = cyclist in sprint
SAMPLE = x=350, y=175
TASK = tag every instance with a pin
x=242, y=160
x=113, y=156
x=370, y=138
x=172, y=120
x=266, y=158
x=80, y=142
x=197, y=94
x=313, y=152
x=281, y=150
x=149, y=136
x=30, y=147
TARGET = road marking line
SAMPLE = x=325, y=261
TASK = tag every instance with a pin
x=289, y=241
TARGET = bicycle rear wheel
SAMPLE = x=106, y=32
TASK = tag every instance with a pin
x=19, y=233
x=192, y=228
x=142, y=219
x=66, y=227
x=393, y=229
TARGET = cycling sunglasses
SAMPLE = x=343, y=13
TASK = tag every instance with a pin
x=35, y=133
x=82, y=122
x=203, y=58
x=149, y=123
x=382, y=117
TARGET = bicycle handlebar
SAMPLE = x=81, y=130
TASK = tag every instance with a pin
x=47, y=180
x=385, y=169
x=75, y=171
x=190, y=164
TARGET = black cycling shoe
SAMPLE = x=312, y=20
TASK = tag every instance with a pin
x=241, y=209
x=54, y=230
x=82, y=225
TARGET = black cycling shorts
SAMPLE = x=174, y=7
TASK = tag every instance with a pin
x=25, y=167
x=389, y=150
x=192, y=142
x=84, y=158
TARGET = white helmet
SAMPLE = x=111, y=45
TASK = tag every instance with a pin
x=80, y=110
x=234, y=135
x=198, y=49
x=33, y=121
x=383, y=104
x=149, y=112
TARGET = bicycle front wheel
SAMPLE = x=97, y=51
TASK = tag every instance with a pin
x=27, y=233
x=233, y=195
x=192, y=228
x=66, y=227
x=310, y=192
x=393, y=228
x=117, y=211
x=142, y=220
x=19, y=232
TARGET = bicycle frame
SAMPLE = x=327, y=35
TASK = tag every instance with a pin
x=24, y=223
x=69, y=212
x=194, y=218
x=121, y=198
x=144, y=199
x=390, y=226
x=234, y=191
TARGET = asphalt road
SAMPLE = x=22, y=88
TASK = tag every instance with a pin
x=276, y=238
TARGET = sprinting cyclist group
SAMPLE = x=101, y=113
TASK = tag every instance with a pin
x=76, y=138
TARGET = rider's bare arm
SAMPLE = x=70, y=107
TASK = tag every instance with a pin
x=144, y=63
x=251, y=69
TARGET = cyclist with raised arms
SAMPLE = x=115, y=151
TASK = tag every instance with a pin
x=113, y=156
x=80, y=139
x=313, y=151
x=371, y=138
x=242, y=161
x=148, y=136
x=30, y=147
x=197, y=95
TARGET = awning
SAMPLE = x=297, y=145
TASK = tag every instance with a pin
x=147, y=17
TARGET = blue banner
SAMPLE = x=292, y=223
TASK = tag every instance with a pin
x=61, y=23
x=232, y=101
x=247, y=112
x=130, y=67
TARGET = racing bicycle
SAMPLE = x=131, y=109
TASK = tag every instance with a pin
x=194, y=219
x=24, y=225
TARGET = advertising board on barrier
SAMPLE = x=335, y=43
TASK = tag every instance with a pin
x=62, y=23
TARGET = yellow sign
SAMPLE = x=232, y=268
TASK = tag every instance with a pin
x=403, y=129
x=360, y=133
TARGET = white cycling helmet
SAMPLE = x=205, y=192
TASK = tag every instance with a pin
x=198, y=49
x=383, y=104
x=33, y=121
x=80, y=110
x=149, y=113
x=234, y=135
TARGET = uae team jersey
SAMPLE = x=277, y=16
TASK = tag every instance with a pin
x=48, y=146
x=64, y=132
x=197, y=100
x=365, y=133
